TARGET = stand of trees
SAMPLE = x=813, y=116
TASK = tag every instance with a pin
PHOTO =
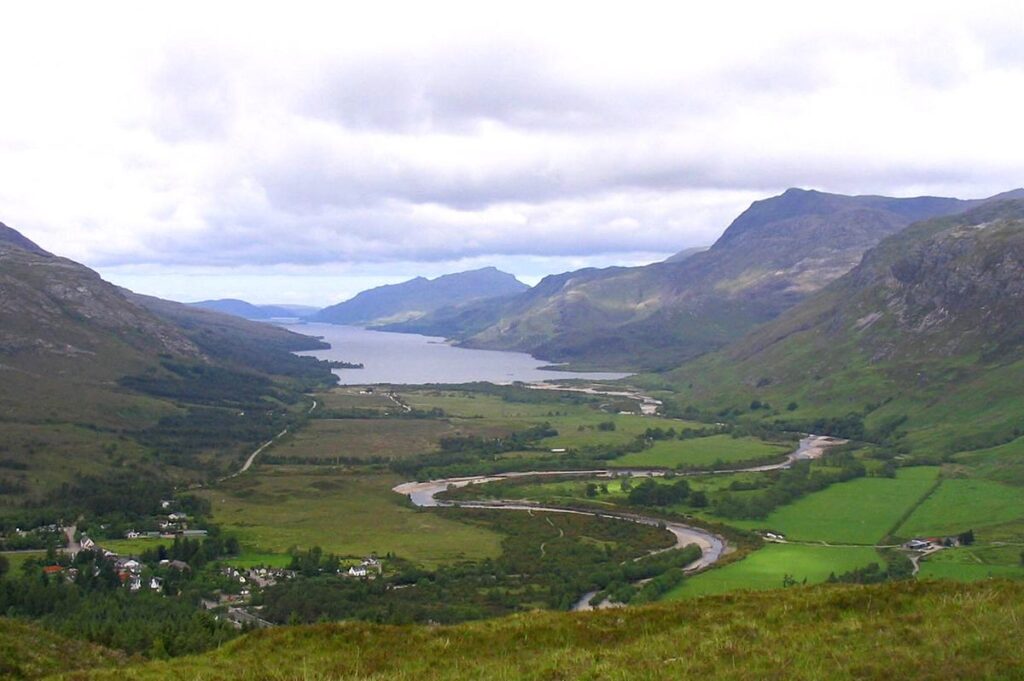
x=522, y=578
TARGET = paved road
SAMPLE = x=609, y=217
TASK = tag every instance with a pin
x=73, y=546
x=252, y=457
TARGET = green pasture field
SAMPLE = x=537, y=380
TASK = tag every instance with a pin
x=478, y=405
x=971, y=563
x=767, y=567
x=701, y=452
x=133, y=547
x=273, y=509
x=1004, y=463
x=250, y=559
x=16, y=559
x=859, y=511
x=582, y=430
x=993, y=510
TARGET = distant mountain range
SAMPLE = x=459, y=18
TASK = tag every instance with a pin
x=771, y=257
x=240, y=308
x=417, y=297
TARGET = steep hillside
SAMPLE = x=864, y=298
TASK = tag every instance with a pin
x=898, y=630
x=413, y=299
x=66, y=334
x=924, y=339
x=94, y=377
x=772, y=256
x=244, y=344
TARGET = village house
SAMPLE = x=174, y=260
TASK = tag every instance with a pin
x=129, y=565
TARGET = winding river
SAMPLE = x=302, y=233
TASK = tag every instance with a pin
x=712, y=546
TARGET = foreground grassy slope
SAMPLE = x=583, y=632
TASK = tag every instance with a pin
x=904, y=630
x=29, y=652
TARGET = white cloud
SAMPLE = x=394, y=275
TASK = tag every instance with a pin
x=319, y=134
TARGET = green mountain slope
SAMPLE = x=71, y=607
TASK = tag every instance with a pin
x=924, y=339
x=898, y=630
x=413, y=299
x=65, y=333
x=93, y=377
x=772, y=256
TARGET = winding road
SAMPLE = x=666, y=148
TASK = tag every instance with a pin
x=252, y=457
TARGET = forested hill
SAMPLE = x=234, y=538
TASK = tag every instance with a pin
x=923, y=341
x=413, y=299
x=772, y=256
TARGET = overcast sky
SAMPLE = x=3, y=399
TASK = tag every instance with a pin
x=303, y=154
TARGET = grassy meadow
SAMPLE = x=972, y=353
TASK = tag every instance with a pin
x=702, y=452
x=767, y=567
x=860, y=511
x=993, y=510
x=970, y=563
x=275, y=508
x=462, y=404
x=329, y=439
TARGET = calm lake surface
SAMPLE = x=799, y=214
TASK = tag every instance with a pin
x=409, y=358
